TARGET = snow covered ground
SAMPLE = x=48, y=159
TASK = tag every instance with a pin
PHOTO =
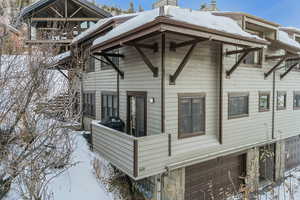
x=78, y=182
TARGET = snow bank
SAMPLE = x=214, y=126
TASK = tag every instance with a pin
x=78, y=182
x=284, y=38
x=100, y=23
x=199, y=18
x=61, y=56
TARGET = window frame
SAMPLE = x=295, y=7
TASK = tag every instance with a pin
x=89, y=112
x=294, y=102
x=265, y=93
x=260, y=53
x=238, y=94
x=285, y=100
x=108, y=93
x=191, y=95
x=87, y=62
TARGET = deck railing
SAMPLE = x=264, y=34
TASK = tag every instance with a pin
x=138, y=157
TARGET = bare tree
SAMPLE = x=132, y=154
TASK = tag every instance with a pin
x=34, y=146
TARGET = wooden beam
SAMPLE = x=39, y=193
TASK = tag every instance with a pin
x=228, y=53
x=235, y=66
x=274, y=68
x=74, y=13
x=182, y=64
x=288, y=71
x=174, y=46
x=41, y=19
x=100, y=60
x=121, y=73
x=109, y=54
x=65, y=42
x=153, y=47
x=66, y=8
x=274, y=57
x=153, y=69
x=63, y=73
x=56, y=12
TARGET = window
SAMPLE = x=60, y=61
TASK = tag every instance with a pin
x=90, y=64
x=254, y=57
x=89, y=102
x=264, y=101
x=238, y=105
x=109, y=105
x=115, y=60
x=296, y=100
x=281, y=100
x=191, y=115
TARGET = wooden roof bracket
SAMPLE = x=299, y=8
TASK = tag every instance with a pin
x=153, y=47
x=147, y=61
x=228, y=53
x=288, y=71
x=109, y=54
x=275, y=67
x=185, y=60
x=237, y=64
x=100, y=60
x=62, y=73
x=174, y=45
x=121, y=73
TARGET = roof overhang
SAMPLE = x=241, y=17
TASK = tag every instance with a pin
x=26, y=12
x=101, y=29
x=165, y=24
x=280, y=45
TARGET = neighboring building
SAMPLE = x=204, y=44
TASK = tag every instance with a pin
x=210, y=100
x=57, y=22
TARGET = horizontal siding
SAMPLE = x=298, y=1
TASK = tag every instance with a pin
x=114, y=146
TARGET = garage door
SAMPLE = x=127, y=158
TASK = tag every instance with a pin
x=215, y=179
x=292, y=150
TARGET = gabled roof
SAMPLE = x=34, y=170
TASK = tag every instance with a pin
x=200, y=20
x=43, y=3
x=100, y=25
x=229, y=13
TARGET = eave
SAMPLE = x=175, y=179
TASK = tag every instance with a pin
x=165, y=24
x=284, y=46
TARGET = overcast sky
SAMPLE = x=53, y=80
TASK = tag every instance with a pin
x=285, y=12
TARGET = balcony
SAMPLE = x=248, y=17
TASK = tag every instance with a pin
x=138, y=157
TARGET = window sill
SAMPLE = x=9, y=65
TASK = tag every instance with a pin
x=238, y=116
x=189, y=135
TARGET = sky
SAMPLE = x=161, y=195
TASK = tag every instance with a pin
x=284, y=12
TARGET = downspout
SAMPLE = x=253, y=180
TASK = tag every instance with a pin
x=163, y=57
x=118, y=95
x=221, y=95
x=273, y=105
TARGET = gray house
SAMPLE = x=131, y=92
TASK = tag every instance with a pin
x=203, y=96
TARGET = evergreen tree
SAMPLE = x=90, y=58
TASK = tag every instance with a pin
x=131, y=7
x=141, y=9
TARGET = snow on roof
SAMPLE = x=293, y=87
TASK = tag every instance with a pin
x=293, y=29
x=200, y=18
x=284, y=38
x=60, y=57
x=100, y=23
